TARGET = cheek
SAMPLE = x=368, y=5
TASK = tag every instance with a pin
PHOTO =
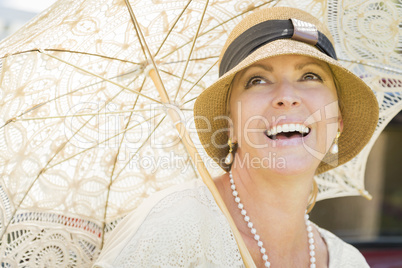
x=247, y=115
x=235, y=112
x=324, y=112
x=327, y=126
x=250, y=108
x=321, y=102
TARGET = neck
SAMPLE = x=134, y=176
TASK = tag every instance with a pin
x=287, y=194
x=283, y=199
x=276, y=205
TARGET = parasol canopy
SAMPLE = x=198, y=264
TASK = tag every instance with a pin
x=96, y=105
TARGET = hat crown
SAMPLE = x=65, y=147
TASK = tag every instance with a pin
x=274, y=13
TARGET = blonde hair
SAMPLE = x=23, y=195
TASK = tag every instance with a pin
x=313, y=197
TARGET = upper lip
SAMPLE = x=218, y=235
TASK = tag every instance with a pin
x=288, y=127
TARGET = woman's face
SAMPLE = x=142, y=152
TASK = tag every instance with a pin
x=285, y=113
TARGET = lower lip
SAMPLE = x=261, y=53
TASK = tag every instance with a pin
x=288, y=142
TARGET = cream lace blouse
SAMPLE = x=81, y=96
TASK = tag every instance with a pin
x=183, y=227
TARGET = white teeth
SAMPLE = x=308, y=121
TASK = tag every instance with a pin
x=292, y=127
x=288, y=128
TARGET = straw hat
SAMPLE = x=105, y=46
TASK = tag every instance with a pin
x=282, y=31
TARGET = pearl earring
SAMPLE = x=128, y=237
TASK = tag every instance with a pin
x=334, y=147
x=229, y=157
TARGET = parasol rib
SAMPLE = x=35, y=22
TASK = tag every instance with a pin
x=70, y=52
x=176, y=76
x=189, y=145
x=43, y=170
x=390, y=69
x=137, y=30
x=191, y=50
x=142, y=145
x=62, y=147
x=171, y=29
x=15, y=119
x=206, y=177
x=213, y=28
x=46, y=167
x=78, y=115
x=190, y=100
x=98, y=76
x=111, y=180
x=196, y=83
x=114, y=164
x=194, y=59
x=93, y=147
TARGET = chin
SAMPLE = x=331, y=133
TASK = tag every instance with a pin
x=292, y=165
x=286, y=160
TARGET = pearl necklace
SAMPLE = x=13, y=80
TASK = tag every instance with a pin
x=257, y=237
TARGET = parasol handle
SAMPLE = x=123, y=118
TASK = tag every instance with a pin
x=200, y=166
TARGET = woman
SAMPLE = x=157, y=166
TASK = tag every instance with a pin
x=276, y=104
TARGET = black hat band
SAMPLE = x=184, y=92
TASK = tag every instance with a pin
x=271, y=30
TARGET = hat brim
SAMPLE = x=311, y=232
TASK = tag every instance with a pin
x=359, y=105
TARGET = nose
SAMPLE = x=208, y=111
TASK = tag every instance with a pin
x=286, y=96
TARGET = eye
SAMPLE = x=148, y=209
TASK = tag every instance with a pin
x=255, y=81
x=311, y=76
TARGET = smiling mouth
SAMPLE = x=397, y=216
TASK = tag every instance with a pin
x=287, y=131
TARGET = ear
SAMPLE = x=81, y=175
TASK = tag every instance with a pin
x=340, y=123
x=230, y=130
x=231, y=134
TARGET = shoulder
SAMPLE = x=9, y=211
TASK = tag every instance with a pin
x=178, y=226
x=181, y=198
x=341, y=254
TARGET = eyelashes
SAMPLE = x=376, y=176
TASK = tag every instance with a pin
x=312, y=76
x=255, y=81
x=259, y=80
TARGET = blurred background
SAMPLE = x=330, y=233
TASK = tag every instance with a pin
x=15, y=13
x=375, y=226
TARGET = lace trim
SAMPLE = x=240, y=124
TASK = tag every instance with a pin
x=185, y=229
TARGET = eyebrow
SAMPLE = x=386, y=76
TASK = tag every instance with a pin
x=269, y=68
x=304, y=64
x=265, y=67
